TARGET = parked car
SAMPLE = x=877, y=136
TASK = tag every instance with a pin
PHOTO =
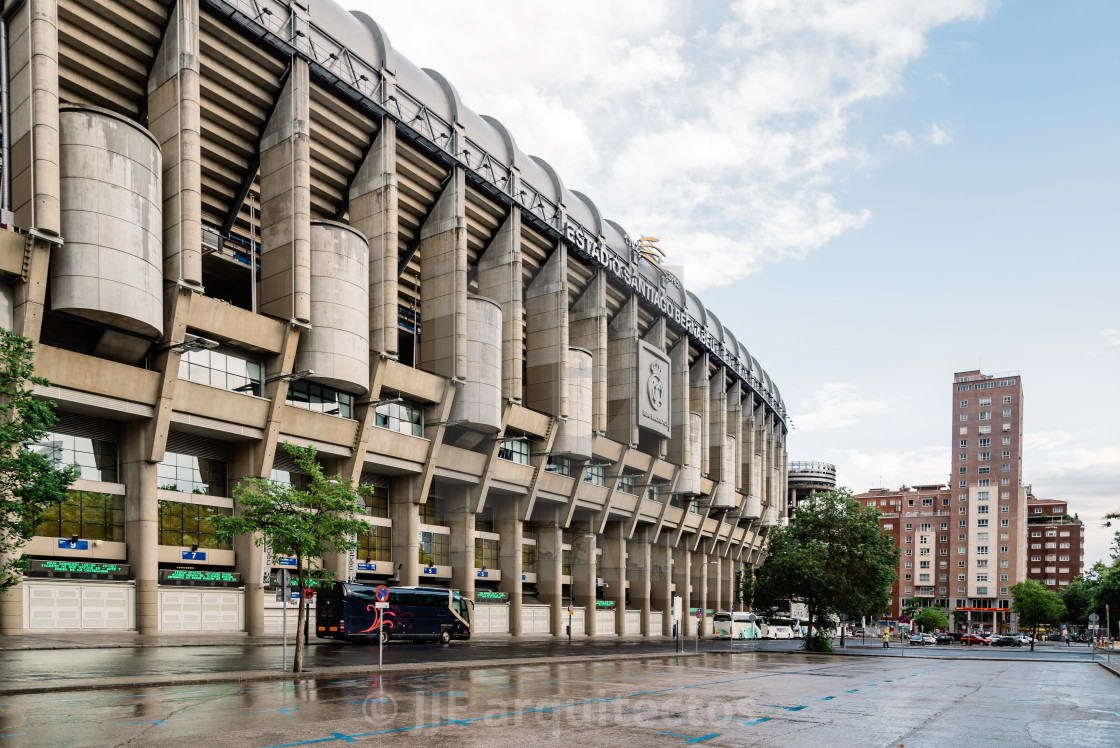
x=956, y=635
x=1024, y=638
x=944, y=639
x=1005, y=641
x=922, y=639
x=968, y=639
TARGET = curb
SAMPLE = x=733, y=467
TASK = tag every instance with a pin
x=271, y=675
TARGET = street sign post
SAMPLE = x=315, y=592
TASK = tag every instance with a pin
x=382, y=604
x=282, y=578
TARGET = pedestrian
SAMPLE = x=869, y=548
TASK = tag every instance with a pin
x=886, y=639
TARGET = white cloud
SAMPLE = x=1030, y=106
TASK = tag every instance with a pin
x=862, y=470
x=941, y=77
x=939, y=136
x=835, y=405
x=901, y=137
x=1112, y=337
x=717, y=129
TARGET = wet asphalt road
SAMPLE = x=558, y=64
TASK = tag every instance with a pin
x=751, y=698
x=27, y=667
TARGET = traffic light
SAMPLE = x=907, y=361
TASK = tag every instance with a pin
x=309, y=593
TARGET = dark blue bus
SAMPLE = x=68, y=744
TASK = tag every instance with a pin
x=348, y=611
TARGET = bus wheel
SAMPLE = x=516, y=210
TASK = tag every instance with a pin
x=384, y=636
x=445, y=636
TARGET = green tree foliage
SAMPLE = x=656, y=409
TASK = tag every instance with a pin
x=911, y=606
x=746, y=588
x=930, y=619
x=833, y=557
x=29, y=482
x=1077, y=598
x=304, y=524
x=1035, y=604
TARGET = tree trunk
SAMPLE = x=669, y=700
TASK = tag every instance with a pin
x=301, y=618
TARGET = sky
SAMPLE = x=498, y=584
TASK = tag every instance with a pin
x=871, y=194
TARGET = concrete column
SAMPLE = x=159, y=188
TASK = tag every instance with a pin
x=661, y=584
x=717, y=428
x=174, y=105
x=250, y=558
x=33, y=71
x=546, y=336
x=507, y=516
x=588, y=330
x=550, y=586
x=678, y=452
x=285, y=287
x=699, y=403
x=682, y=580
x=443, y=284
x=584, y=544
x=622, y=372
x=500, y=280
x=462, y=520
x=700, y=584
x=715, y=584
x=730, y=595
x=403, y=502
x=373, y=211
x=141, y=524
x=639, y=572
x=614, y=571
x=11, y=607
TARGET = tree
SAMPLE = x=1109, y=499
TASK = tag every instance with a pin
x=302, y=523
x=1077, y=597
x=833, y=557
x=911, y=606
x=30, y=482
x=1035, y=604
x=930, y=619
x=746, y=588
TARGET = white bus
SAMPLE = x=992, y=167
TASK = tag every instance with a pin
x=743, y=627
x=777, y=628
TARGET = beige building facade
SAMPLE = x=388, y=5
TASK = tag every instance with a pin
x=230, y=225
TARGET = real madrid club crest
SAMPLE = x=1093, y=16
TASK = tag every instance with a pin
x=656, y=386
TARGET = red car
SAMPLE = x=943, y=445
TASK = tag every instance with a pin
x=972, y=639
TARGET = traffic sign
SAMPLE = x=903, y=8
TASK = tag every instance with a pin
x=571, y=610
x=699, y=613
x=1093, y=618
x=904, y=619
x=381, y=605
x=381, y=593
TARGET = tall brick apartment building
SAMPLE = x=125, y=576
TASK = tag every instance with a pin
x=967, y=542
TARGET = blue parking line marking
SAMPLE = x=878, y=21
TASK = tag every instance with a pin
x=61, y=701
x=285, y=710
x=456, y=722
x=134, y=696
x=787, y=708
x=12, y=734
x=1041, y=677
x=690, y=738
x=760, y=720
x=446, y=693
x=851, y=690
x=826, y=698
x=370, y=701
x=343, y=738
x=156, y=722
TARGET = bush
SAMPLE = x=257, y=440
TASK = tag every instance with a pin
x=818, y=642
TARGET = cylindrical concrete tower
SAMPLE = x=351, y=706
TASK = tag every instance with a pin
x=575, y=435
x=479, y=400
x=337, y=347
x=724, y=497
x=688, y=483
x=111, y=267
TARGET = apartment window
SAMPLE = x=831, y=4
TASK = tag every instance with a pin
x=961, y=577
x=376, y=499
x=961, y=550
x=964, y=443
x=962, y=497
x=1004, y=509
x=960, y=564
x=1063, y=545
x=319, y=398
x=982, y=563
x=1007, y=399
x=1003, y=590
x=962, y=509
x=909, y=564
x=944, y=502
x=909, y=577
x=1036, y=534
x=942, y=577
x=909, y=526
x=1007, y=412
x=89, y=515
x=927, y=502
x=1038, y=510
x=984, y=470
x=985, y=442
x=1003, y=550
x=923, y=577
x=982, y=495
x=1058, y=510
x=1007, y=440
x=964, y=416
x=909, y=539
x=909, y=551
x=961, y=537
x=963, y=457
x=925, y=527
x=909, y=590
x=924, y=552
x=1036, y=546
x=95, y=458
x=981, y=536
x=909, y=502
x=1004, y=523
x=960, y=590
x=963, y=430
x=1007, y=454
x=985, y=402
x=985, y=456
x=985, y=415
x=594, y=474
x=626, y=484
x=190, y=474
x=963, y=484
x=376, y=544
x=985, y=429
x=221, y=369
x=889, y=526
x=1004, y=495
x=981, y=590
x=944, y=526
x=1036, y=558
x=514, y=450
x=654, y=491
x=982, y=509
x=1005, y=468
x=1063, y=558
x=982, y=550
x=964, y=403
x=962, y=523
x=983, y=482
x=923, y=564
x=435, y=548
x=960, y=471
x=404, y=418
x=1051, y=533
x=981, y=577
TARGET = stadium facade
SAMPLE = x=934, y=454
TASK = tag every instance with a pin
x=231, y=224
